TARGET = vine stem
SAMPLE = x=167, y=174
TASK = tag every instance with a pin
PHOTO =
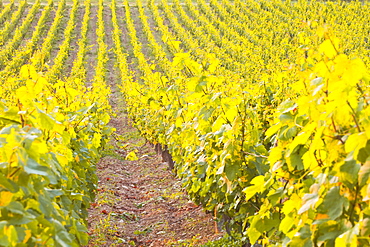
x=354, y=204
x=354, y=117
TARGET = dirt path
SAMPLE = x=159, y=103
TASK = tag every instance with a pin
x=47, y=25
x=140, y=33
x=92, y=43
x=74, y=42
x=32, y=26
x=126, y=44
x=158, y=34
x=141, y=203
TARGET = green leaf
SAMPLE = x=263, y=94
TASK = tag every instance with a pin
x=329, y=230
x=3, y=237
x=21, y=232
x=334, y=210
x=295, y=162
x=45, y=205
x=231, y=170
x=21, y=220
x=62, y=237
x=85, y=110
x=349, y=173
x=298, y=242
x=286, y=118
x=302, y=238
x=195, y=187
x=33, y=167
x=16, y=208
x=8, y=184
x=275, y=195
x=364, y=153
x=54, y=193
x=82, y=235
x=265, y=224
x=291, y=132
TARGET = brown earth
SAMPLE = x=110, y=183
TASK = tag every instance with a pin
x=76, y=36
x=59, y=35
x=91, y=54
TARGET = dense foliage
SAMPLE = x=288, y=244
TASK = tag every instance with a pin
x=263, y=105
x=52, y=131
x=266, y=117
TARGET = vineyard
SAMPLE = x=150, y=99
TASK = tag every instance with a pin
x=262, y=106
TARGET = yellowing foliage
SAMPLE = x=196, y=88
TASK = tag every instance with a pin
x=264, y=108
x=263, y=105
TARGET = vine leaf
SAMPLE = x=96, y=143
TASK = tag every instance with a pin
x=309, y=202
x=258, y=186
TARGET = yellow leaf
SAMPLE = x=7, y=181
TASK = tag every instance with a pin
x=72, y=92
x=12, y=235
x=289, y=206
x=178, y=122
x=301, y=138
x=258, y=186
x=275, y=155
x=28, y=236
x=5, y=198
x=41, y=147
x=286, y=224
x=96, y=140
x=217, y=124
x=39, y=85
x=355, y=142
x=131, y=156
x=348, y=239
x=328, y=49
x=231, y=114
x=28, y=71
x=176, y=44
x=321, y=216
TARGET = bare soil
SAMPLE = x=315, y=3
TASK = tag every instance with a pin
x=76, y=36
x=32, y=26
x=125, y=39
x=48, y=24
x=59, y=35
x=141, y=203
x=92, y=43
x=157, y=35
x=140, y=32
